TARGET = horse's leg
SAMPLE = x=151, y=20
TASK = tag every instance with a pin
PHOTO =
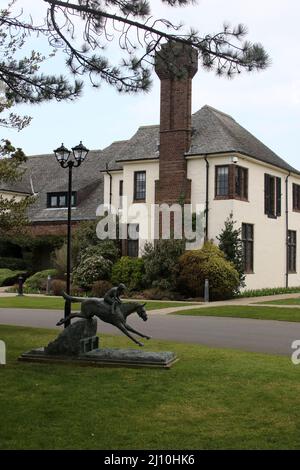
x=124, y=330
x=72, y=315
x=129, y=328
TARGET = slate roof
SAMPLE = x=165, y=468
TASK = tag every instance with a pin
x=23, y=186
x=216, y=132
x=213, y=132
x=47, y=176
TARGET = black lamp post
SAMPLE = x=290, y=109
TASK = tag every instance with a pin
x=62, y=155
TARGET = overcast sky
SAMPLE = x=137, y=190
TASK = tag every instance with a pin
x=266, y=103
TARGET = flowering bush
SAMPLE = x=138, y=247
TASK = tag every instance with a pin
x=91, y=268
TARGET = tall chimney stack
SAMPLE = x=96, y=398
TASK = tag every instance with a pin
x=175, y=64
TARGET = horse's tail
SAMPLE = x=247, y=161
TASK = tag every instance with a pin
x=73, y=299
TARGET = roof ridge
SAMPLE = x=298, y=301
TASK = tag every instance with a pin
x=215, y=110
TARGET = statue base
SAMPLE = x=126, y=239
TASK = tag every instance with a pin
x=106, y=357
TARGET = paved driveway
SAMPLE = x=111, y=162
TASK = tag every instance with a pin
x=266, y=336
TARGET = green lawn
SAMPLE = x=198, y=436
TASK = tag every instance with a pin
x=210, y=399
x=238, y=311
x=56, y=303
x=283, y=302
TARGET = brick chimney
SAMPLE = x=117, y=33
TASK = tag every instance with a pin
x=175, y=64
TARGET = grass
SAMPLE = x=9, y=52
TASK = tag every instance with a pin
x=234, y=311
x=57, y=303
x=283, y=302
x=210, y=399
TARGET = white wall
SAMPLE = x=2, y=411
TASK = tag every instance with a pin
x=269, y=234
x=137, y=213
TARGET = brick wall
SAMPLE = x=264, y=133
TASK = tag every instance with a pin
x=59, y=228
x=175, y=65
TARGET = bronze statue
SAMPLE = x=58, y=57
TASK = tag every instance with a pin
x=106, y=311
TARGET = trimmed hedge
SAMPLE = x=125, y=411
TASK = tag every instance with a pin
x=9, y=277
x=208, y=263
x=38, y=281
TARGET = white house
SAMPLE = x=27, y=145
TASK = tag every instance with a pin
x=209, y=159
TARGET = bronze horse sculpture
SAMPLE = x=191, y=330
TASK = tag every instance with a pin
x=96, y=306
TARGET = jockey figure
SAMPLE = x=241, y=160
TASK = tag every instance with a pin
x=112, y=297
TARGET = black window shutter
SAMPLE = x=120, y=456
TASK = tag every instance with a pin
x=278, y=196
x=267, y=194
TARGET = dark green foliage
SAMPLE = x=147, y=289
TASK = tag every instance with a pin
x=129, y=271
x=85, y=238
x=94, y=24
x=34, y=252
x=12, y=211
x=12, y=263
x=208, y=263
x=230, y=243
x=20, y=75
x=161, y=262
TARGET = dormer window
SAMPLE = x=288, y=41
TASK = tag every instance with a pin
x=60, y=200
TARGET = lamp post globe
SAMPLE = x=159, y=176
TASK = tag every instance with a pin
x=62, y=155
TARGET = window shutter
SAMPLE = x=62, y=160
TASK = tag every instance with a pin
x=267, y=193
x=278, y=196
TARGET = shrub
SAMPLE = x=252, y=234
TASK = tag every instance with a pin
x=85, y=237
x=105, y=248
x=230, y=243
x=58, y=286
x=129, y=271
x=155, y=293
x=12, y=263
x=91, y=268
x=209, y=262
x=161, y=263
x=9, y=277
x=38, y=281
x=99, y=288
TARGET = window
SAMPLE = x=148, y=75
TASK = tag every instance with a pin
x=248, y=241
x=296, y=197
x=59, y=200
x=241, y=182
x=231, y=182
x=121, y=193
x=222, y=180
x=139, y=185
x=272, y=196
x=130, y=245
x=292, y=250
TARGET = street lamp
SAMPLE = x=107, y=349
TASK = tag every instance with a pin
x=62, y=155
